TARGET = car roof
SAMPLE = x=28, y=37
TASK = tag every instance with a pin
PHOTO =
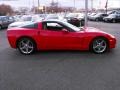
x=52, y=20
x=3, y=16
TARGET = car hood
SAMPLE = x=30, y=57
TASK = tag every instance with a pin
x=108, y=17
x=93, y=30
x=96, y=31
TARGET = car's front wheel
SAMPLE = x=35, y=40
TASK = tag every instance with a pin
x=113, y=21
x=97, y=19
x=99, y=45
x=26, y=46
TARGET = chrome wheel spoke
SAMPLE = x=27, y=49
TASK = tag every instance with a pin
x=103, y=47
x=23, y=43
x=97, y=42
x=23, y=47
x=99, y=49
x=27, y=50
x=102, y=42
x=99, y=45
x=28, y=42
x=26, y=46
x=95, y=46
x=30, y=47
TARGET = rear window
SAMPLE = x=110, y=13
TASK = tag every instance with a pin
x=33, y=25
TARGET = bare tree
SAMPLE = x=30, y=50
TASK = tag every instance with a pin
x=6, y=9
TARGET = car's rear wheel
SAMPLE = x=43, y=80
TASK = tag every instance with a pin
x=99, y=45
x=0, y=27
x=26, y=46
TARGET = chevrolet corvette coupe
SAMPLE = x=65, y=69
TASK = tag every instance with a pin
x=58, y=35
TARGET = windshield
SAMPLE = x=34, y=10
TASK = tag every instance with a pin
x=97, y=15
x=71, y=26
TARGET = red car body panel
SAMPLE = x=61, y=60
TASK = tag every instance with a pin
x=58, y=40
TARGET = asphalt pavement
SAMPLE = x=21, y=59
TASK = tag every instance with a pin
x=61, y=70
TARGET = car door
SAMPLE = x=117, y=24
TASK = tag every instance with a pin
x=51, y=36
x=56, y=36
x=72, y=40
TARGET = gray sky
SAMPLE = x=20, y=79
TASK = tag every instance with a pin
x=79, y=3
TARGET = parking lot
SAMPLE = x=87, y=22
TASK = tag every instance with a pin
x=61, y=70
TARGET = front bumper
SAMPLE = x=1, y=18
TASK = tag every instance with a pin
x=112, y=43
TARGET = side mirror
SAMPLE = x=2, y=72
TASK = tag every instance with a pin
x=82, y=28
x=65, y=31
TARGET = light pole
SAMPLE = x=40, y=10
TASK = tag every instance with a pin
x=33, y=6
x=38, y=5
x=74, y=5
x=91, y=4
x=106, y=6
x=86, y=12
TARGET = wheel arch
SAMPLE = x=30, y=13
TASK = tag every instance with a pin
x=103, y=37
x=26, y=37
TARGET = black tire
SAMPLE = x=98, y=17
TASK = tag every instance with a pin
x=0, y=27
x=97, y=19
x=113, y=21
x=99, y=45
x=26, y=46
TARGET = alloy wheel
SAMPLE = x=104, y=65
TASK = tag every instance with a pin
x=99, y=45
x=26, y=46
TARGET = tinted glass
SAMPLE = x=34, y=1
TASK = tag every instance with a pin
x=33, y=25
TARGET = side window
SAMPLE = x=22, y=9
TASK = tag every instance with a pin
x=52, y=26
x=105, y=15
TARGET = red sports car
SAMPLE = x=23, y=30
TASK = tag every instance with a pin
x=58, y=35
